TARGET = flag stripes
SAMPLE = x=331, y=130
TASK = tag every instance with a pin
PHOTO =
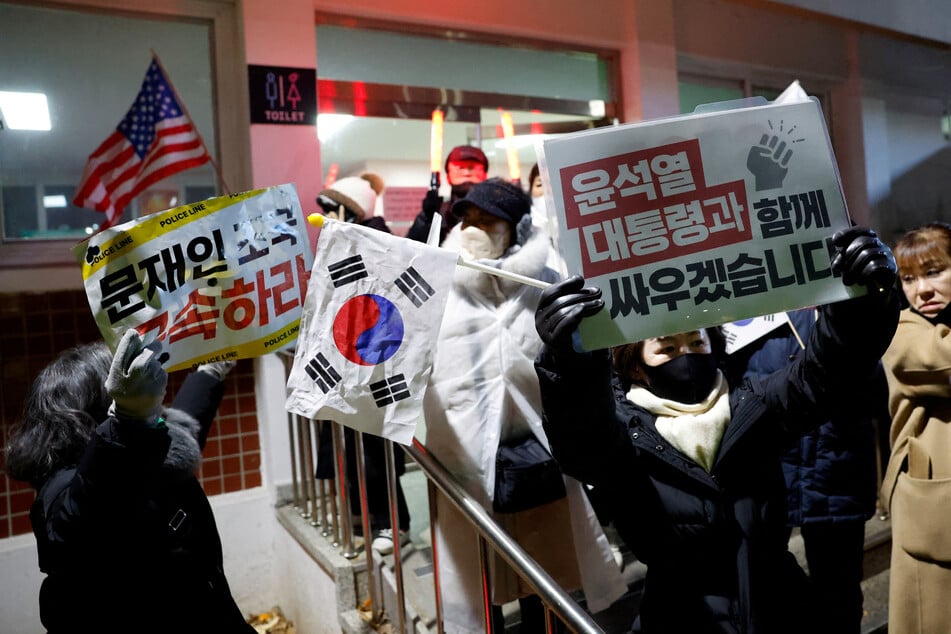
x=389, y=390
x=347, y=270
x=154, y=140
x=322, y=373
x=415, y=287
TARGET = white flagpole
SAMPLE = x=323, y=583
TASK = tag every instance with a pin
x=318, y=220
x=515, y=277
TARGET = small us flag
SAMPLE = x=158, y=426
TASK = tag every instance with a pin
x=389, y=390
x=347, y=270
x=415, y=287
x=154, y=140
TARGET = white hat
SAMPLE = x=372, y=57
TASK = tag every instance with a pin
x=356, y=193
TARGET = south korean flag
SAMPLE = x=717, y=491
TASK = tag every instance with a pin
x=371, y=315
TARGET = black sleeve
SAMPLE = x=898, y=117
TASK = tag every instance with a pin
x=841, y=360
x=580, y=416
x=200, y=396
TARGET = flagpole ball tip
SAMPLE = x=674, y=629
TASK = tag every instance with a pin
x=316, y=219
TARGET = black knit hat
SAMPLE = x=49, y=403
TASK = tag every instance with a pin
x=467, y=153
x=501, y=198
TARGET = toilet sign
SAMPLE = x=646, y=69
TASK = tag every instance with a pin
x=282, y=95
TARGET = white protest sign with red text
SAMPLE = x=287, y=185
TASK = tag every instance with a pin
x=219, y=279
x=698, y=220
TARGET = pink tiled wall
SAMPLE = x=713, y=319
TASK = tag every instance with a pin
x=35, y=327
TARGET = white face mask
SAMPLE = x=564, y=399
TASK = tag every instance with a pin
x=478, y=244
x=540, y=215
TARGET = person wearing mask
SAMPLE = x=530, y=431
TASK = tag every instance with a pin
x=536, y=189
x=692, y=463
x=353, y=199
x=916, y=489
x=830, y=475
x=466, y=165
x=124, y=531
x=483, y=392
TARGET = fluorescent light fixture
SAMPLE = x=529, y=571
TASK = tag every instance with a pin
x=329, y=124
x=52, y=202
x=25, y=110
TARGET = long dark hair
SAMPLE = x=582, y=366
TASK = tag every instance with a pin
x=66, y=402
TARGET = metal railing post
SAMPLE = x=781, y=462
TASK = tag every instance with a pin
x=395, y=527
x=375, y=604
x=340, y=464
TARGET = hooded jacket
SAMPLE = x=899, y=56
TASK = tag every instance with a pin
x=714, y=542
x=127, y=537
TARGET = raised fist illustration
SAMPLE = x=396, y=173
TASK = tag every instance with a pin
x=767, y=162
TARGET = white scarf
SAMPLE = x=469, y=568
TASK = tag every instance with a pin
x=696, y=429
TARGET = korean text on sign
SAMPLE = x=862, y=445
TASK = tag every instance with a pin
x=699, y=220
x=219, y=279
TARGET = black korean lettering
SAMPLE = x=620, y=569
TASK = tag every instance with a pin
x=776, y=279
x=170, y=275
x=711, y=277
x=747, y=275
x=253, y=253
x=203, y=248
x=629, y=293
x=773, y=221
x=664, y=284
x=283, y=234
x=118, y=290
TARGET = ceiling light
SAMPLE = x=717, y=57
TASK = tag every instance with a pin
x=53, y=202
x=25, y=110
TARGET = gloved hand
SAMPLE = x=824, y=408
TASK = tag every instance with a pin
x=562, y=307
x=862, y=258
x=432, y=202
x=136, y=380
x=217, y=369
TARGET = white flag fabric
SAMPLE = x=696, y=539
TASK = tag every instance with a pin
x=371, y=315
x=744, y=332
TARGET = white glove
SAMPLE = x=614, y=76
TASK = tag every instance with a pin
x=137, y=380
x=217, y=369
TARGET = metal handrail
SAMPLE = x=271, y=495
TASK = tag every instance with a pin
x=541, y=582
x=337, y=526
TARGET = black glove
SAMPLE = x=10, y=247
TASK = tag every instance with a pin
x=862, y=258
x=432, y=202
x=562, y=307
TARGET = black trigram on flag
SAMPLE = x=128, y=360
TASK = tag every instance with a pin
x=389, y=390
x=322, y=373
x=414, y=287
x=347, y=270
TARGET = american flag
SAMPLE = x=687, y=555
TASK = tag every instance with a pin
x=154, y=140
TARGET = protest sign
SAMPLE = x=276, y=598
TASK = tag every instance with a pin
x=214, y=280
x=373, y=309
x=698, y=220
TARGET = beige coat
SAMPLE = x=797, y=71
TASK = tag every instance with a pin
x=917, y=484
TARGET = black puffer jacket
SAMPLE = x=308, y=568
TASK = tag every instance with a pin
x=129, y=544
x=714, y=543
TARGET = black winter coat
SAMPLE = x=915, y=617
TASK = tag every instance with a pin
x=127, y=544
x=714, y=543
x=830, y=471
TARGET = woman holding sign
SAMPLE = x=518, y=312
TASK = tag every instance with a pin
x=124, y=531
x=693, y=466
